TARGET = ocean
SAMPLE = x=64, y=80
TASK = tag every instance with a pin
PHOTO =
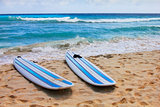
x=49, y=36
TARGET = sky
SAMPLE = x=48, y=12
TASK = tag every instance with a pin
x=79, y=6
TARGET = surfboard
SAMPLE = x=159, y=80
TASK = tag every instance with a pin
x=40, y=75
x=87, y=70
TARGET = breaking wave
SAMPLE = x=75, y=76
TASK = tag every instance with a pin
x=73, y=20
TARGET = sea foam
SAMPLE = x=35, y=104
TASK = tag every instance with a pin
x=72, y=20
x=54, y=51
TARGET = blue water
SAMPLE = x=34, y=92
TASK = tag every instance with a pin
x=21, y=30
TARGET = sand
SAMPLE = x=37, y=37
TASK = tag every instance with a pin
x=137, y=76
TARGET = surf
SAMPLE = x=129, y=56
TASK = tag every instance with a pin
x=55, y=50
x=74, y=20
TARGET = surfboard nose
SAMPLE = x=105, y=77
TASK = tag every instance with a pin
x=18, y=56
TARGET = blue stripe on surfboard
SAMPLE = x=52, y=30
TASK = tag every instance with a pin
x=67, y=82
x=83, y=70
x=97, y=71
x=46, y=72
x=36, y=75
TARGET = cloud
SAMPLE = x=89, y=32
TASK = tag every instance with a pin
x=97, y=1
x=65, y=2
x=52, y=6
x=34, y=2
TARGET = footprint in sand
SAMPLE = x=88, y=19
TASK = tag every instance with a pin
x=128, y=72
x=117, y=67
x=22, y=101
x=19, y=90
x=132, y=100
x=137, y=94
x=2, y=97
x=50, y=66
x=6, y=86
x=142, y=87
x=13, y=96
x=56, y=104
x=84, y=92
x=53, y=68
x=150, y=73
x=108, y=56
x=158, y=68
x=152, y=82
x=143, y=103
x=74, y=81
x=39, y=99
x=129, y=89
x=91, y=103
x=122, y=101
x=36, y=105
x=99, y=66
x=65, y=72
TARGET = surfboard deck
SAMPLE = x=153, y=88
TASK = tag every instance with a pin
x=40, y=75
x=88, y=71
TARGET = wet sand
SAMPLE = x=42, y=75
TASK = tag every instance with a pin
x=137, y=76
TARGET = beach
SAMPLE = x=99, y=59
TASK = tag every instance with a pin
x=137, y=76
x=125, y=46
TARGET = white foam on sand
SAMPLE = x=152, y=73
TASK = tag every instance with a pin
x=48, y=51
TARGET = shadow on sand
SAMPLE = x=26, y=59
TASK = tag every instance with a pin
x=57, y=94
x=101, y=89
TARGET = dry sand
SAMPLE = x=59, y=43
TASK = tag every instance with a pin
x=137, y=76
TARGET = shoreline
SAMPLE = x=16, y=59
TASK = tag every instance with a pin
x=55, y=50
x=137, y=76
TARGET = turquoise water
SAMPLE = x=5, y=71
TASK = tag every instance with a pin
x=22, y=30
x=49, y=36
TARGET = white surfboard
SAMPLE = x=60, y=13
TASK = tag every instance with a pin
x=40, y=75
x=88, y=71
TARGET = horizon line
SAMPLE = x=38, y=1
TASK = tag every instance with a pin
x=67, y=13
